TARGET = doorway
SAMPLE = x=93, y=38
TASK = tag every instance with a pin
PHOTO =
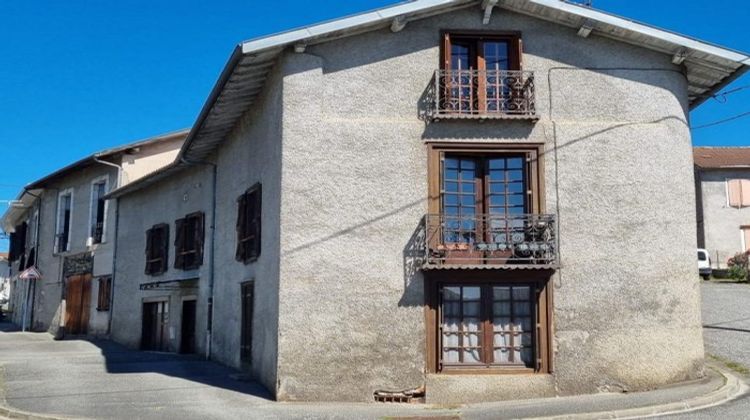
x=155, y=326
x=187, y=341
x=77, y=303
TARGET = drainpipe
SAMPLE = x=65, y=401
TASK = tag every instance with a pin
x=36, y=253
x=114, y=241
x=209, y=320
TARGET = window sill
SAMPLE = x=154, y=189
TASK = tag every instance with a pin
x=490, y=371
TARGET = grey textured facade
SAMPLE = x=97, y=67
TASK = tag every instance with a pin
x=337, y=142
x=719, y=224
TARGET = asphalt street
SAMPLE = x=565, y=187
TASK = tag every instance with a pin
x=100, y=379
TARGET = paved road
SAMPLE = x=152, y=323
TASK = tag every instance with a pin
x=726, y=320
x=100, y=379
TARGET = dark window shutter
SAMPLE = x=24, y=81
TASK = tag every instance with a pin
x=105, y=290
x=164, y=248
x=179, y=242
x=241, y=225
x=199, y=237
x=149, y=247
x=256, y=221
x=12, y=253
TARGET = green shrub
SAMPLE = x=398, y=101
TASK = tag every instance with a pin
x=739, y=266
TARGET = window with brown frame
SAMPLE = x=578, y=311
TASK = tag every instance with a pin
x=188, y=242
x=249, y=225
x=157, y=249
x=483, y=198
x=489, y=324
x=105, y=290
x=481, y=73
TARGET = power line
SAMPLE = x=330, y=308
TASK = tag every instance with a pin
x=723, y=95
x=726, y=120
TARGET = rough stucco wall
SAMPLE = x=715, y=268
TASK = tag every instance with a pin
x=172, y=199
x=251, y=154
x=355, y=186
x=47, y=300
x=721, y=223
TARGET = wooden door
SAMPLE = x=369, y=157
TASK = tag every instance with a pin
x=77, y=304
x=187, y=342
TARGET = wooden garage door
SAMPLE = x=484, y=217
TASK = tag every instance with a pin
x=77, y=304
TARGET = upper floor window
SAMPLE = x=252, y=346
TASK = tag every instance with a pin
x=157, y=249
x=738, y=193
x=64, y=220
x=188, y=242
x=17, y=248
x=481, y=75
x=248, y=224
x=97, y=212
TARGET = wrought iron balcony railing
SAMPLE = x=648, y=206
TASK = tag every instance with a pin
x=503, y=240
x=482, y=94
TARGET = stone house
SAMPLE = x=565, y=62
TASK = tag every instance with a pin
x=450, y=196
x=722, y=182
x=62, y=227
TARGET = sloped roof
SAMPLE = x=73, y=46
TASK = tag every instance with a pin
x=103, y=154
x=27, y=196
x=709, y=67
x=721, y=157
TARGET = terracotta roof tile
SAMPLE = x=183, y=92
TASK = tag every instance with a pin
x=721, y=157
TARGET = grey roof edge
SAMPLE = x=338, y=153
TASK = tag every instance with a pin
x=104, y=154
x=285, y=38
x=332, y=27
x=226, y=73
x=647, y=30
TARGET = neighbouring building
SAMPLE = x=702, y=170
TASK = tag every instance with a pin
x=62, y=228
x=4, y=281
x=456, y=196
x=722, y=184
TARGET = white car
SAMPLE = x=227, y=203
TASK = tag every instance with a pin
x=704, y=264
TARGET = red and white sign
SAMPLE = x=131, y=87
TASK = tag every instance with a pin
x=30, y=273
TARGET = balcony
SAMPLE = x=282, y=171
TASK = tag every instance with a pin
x=481, y=94
x=508, y=241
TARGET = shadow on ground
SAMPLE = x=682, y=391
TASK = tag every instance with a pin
x=119, y=359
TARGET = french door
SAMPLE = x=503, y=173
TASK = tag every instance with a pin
x=476, y=76
x=483, y=201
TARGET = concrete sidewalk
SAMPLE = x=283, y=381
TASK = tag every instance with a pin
x=99, y=379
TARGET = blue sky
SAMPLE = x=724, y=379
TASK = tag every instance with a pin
x=78, y=76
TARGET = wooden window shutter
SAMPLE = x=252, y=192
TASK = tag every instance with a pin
x=199, y=233
x=745, y=192
x=105, y=289
x=179, y=243
x=256, y=221
x=149, y=247
x=519, y=53
x=241, y=216
x=734, y=190
x=164, y=248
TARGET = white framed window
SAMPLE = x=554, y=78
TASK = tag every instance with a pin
x=98, y=211
x=64, y=220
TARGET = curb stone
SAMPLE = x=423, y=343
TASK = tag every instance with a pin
x=734, y=387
